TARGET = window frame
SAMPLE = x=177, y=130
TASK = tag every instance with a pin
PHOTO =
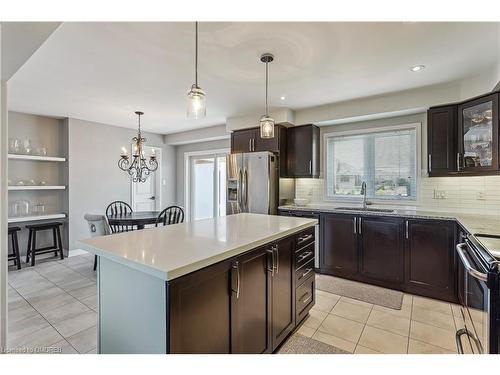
x=358, y=199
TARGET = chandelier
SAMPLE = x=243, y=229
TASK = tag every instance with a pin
x=138, y=169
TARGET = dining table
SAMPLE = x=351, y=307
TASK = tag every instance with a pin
x=139, y=219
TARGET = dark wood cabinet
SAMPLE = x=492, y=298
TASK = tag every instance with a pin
x=243, y=140
x=478, y=134
x=283, y=292
x=246, y=304
x=339, y=244
x=199, y=316
x=303, y=157
x=442, y=144
x=381, y=249
x=430, y=265
x=251, y=304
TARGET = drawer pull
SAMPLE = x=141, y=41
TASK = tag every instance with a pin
x=305, y=238
x=302, y=300
x=305, y=255
x=308, y=271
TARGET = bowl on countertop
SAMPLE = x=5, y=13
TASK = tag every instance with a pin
x=300, y=202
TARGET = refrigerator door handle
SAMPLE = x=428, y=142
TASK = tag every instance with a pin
x=246, y=189
x=240, y=187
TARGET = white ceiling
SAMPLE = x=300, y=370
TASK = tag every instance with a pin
x=103, y=72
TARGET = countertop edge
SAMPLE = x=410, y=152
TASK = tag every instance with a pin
x=184, y=270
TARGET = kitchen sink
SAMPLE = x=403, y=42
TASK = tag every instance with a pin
x=369, y=209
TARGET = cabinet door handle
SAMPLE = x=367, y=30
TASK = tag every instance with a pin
x=253, y=144
x=271, y=269
x=429, y=162
x=277, y=250
x=250, y=144
x=355, y=224
x=359, y=225
x=407, y=232
x=236, y=266
x=458, y=161
x=305, y=295
x=310, y=167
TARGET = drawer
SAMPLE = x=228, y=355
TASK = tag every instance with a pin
x=304, y=255
x=304, y=272
x=305, y=238
x=305, y=297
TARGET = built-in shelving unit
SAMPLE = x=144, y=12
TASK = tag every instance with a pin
x=22, y=219
x=35, y=157
x=37, y=187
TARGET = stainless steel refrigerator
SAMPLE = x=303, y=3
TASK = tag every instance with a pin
x=252, y=183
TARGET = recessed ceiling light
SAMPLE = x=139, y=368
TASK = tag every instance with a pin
x=417, y=68
x=282, y=98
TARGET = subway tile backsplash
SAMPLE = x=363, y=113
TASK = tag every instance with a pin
x=458, y=194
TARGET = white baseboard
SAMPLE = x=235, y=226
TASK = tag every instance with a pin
x=75, y=252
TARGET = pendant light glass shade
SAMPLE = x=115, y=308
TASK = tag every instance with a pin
x=266, y=127
x=197, y=107
x=266, y=122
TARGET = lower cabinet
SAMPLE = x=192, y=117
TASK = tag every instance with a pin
x=381, y=249
x=247, y=304
x=430, y=264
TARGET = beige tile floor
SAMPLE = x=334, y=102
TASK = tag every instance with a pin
x=52, y=306
x=423, y=325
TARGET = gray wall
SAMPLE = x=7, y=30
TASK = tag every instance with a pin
x=181, y=150
x=94, y=177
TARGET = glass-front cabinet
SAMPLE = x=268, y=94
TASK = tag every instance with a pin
x=478, y=134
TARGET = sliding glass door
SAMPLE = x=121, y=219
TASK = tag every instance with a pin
x=207, y=186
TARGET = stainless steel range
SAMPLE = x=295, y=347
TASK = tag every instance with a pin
x=479, y=294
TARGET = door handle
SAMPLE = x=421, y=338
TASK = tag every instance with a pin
x=246, y=189
x=240, y=188
x=429, y=162
x=250, y=144
x=152, y=198
x=470, y=270
x=407, y=230
x=355, y=225
x=236, y=266
x=458, y=161
x=359, y=224
x=310, y=167
x=308, y=271
x=253, y=144
x=277, y=250
x=271, y=251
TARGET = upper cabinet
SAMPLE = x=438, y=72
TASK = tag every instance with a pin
x=249, y=140
x=303, y=158
x=478, y=134
x=462, y=138
x=442, y=140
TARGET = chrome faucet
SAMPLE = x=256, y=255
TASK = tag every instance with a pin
x=363, y=191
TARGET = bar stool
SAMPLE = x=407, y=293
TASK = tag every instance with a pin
x=15, y=247
x=55, y=247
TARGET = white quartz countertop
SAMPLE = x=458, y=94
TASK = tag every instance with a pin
x=176, y=250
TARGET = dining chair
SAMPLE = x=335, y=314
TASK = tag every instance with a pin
x=98, y=226
x=170, y=215
x=117, y=209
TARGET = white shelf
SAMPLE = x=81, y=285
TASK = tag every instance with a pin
x=35, y=157
x=22, y=219
x=37, y=187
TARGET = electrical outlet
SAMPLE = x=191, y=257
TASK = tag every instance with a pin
x=439, y=194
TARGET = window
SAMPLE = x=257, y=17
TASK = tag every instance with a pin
x=385, y=160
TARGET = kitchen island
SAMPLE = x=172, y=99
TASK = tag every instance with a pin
x=234, y=284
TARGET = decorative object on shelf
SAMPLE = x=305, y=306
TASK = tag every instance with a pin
x=38, y=209
x=41, y=151
x=267, y=122
x=138, y=169
x=196, y=96
x=27, y=147
x=19, y=207
x=43, y=183
x=21, y=183
x=14, y=145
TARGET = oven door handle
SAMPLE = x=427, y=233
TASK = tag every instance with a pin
x=458, y=339
x=470, y=270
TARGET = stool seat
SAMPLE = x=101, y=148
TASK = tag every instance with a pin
x=14, y=256
x=44, y=225
x=56, y=247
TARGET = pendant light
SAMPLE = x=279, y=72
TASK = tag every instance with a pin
x=196, y=96
x=267, y=122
